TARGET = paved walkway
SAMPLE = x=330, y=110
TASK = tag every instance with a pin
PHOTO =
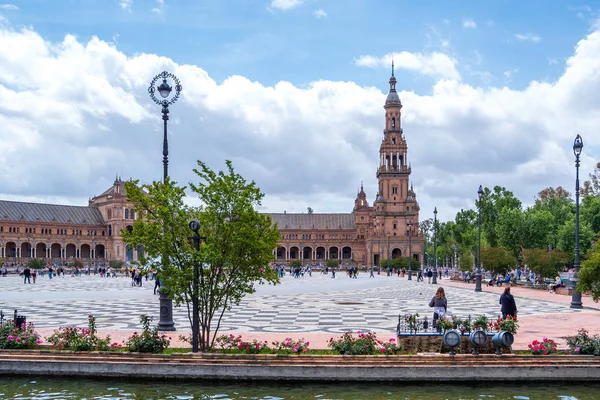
x=316, y=308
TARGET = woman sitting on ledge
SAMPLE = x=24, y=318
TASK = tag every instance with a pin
x=557, y=283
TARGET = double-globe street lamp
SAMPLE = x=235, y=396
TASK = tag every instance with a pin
x=434, y=280
x=478, y=266
x=576, y=296
x=195, y=227
x=165, y=322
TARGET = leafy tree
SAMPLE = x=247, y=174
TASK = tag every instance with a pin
x=590, y=212
x=510, y=230
x=589, y=274
x=496, y=260
x=546, y=263
x=76, y=263
x=234, y=255
x=591, y=187
x=295, y=264
x=331, y=264
x=116, y=264
x=566, y=237
x=465, y=230
x=537, y=228
x=492, y=203
x=559, y=204
x=36, y=263
x=466, y=261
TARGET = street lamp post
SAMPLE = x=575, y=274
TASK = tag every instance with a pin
x=388, y=255
x=195, y=227
x=576, y=296
x=434, y=280
x=478, y=271
x=165, y=322
x=380, y=253
x=409, y=250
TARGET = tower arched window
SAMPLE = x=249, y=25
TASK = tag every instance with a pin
x=394, y=123
x=132, y=213
x=109, y=214
x=126, y=213
x=110, y=230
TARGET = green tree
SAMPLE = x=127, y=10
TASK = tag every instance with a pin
x=589, y=274
x=234, y=255
x=295, y=264
x=591, y=187
x=497, y=260
x=590, y=212
x=116, y=264
x=566, y=237
x=538, y=225
x=544, y=262
x=510, y=230
x=560, y=205
x=492, y=203
x=36, y=263
x=466, y=261
x=465, y=230
x=331, y=264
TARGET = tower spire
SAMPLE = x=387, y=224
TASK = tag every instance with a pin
x=392, y=67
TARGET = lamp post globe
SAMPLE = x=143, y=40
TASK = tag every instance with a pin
x=434, y=280
x=478, y=264
x=164, y=90
x=576, y=296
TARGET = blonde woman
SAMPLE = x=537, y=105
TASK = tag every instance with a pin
x=440, y=306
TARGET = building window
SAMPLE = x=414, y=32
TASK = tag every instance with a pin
x=394, y=226
x=394, y=189
x=132, y=214
x=126, y=213
x=110, y=230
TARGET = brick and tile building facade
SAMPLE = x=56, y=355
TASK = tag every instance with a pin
x=364, y=236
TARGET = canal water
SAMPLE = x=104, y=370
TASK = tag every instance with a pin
x=55, y=388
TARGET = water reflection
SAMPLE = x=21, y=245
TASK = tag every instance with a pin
x=54, y=388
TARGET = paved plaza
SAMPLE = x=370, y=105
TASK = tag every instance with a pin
x=317, y=304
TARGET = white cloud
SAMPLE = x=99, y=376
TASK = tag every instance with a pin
x=285, y=4
x=528, y=37
x=304, y=146
x=8, y=7
x=469, y=23
x=126, y=4
x=160, y=7
x=432, y=64
x=320, y=14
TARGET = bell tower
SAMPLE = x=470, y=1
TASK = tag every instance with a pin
x=395, y=206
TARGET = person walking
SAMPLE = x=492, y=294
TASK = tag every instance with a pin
x=156, y=283
x=508, y=305
x=34, y=275
x=440, y=306
x=26, y=275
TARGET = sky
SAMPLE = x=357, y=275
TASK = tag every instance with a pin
x=292, y=91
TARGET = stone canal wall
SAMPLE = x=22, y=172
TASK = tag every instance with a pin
x=440, y=368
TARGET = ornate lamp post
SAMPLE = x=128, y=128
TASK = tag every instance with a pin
x=409, y=250
x=434, y=280
x=478, y=272
x=195, y=227
x=576, y=296
x=388, y=255
x=379, y=250
x=165, y=322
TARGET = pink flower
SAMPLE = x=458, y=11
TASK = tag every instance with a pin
x=382, y=349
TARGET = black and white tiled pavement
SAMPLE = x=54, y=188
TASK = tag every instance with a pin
x=317, y=304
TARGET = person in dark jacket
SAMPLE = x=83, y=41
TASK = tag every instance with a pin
x=507, y=301
x=440, y=306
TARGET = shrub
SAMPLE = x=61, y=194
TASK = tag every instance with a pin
x=14, y=337
x=149, y=341
x=582, y=343
x=290, y=345
x=464, y=325
x=509, y=324
x=481, y=322
x=546, y=346
x=231, y=342
x=79, y=339
x=362, y=344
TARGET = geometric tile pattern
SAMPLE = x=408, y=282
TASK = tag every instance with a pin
x=309, y=304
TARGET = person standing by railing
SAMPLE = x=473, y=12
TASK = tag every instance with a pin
x=440, y=306
x=509, y=307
